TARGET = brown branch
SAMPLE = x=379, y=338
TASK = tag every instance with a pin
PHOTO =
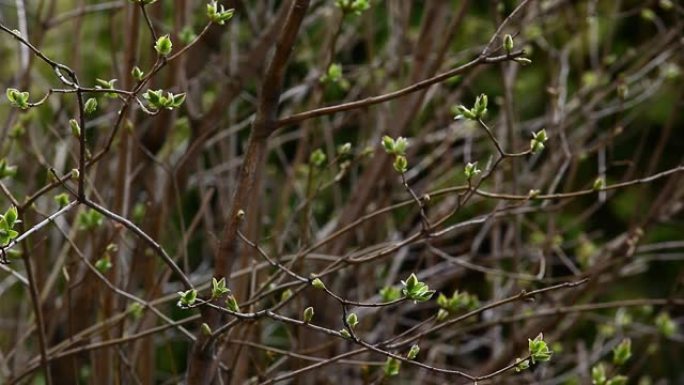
x=37, y=307
x=146, y=238
x=521, y=296
x=264, y=124
x=202, y=361
x=296, y=118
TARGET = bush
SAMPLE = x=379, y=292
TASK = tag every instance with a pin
x=349, y=191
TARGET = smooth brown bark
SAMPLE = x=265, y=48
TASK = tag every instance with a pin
x=202, y=365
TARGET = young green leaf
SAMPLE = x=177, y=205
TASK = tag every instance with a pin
x=187, y=35
x=390, y=293
x=478, y=111
x=136, y=310
x=355, y=7
x=163, y=46
x=599, y=184
x=413, y=352
x=17, y=98
x=206, y=329
x=218, y=287
x=388, y=144
x=104, y=264
x=666, y=326
x=352, y=320
x=416, y=290
x=137, y=73
x=334, y=75
x=622, y=352
x=442, y=315
x=523, y=60
x=187, y=298
x=178, y=100
x=538, y=349
x=462, y=112
x=75, y=128
x=400, y=164
x=598, y=374
x=285, y=295
x=6, y=170
x=317, y=283
x=521, y=364
x=90, y=106
x=618, y=380
x=308, y=314
x=90, y=219
x=317, y=158
x=400, y=145
x=344, y=149
x=391, y=367
x=457, y=301
x=396, y=146
x=471, y=170
x=106, y=85
x=10, y=217
x=218, y=14
x=480, y=107
x=508, y=43
x=62, y=199
x=411, y=282
x=538, y=140
x=232, y=304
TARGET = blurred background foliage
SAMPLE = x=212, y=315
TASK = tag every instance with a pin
x=173, y=174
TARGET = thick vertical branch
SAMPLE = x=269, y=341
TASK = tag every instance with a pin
x=37, y=308
x=123, y=191
x=202, y=365
x=264, y=124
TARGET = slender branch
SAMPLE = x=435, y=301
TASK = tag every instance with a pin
x=148, y=21
x=503, y=25
x=146, y=238
x=40, y=225
x=519, y=297
x=202, y=362
x=296, y=118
